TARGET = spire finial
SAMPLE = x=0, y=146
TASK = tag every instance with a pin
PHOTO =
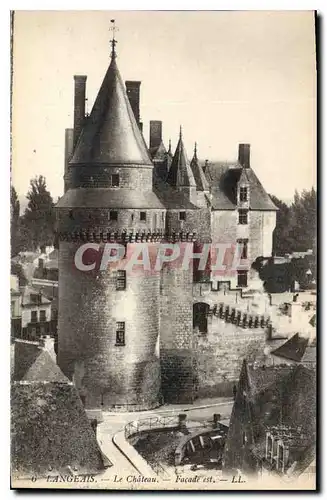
x=195, y=149
x=180, y=131
x=169, y=148
x=113, y=41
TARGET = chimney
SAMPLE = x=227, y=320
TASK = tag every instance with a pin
x=133, y=94
x=69, y=149
x=244, y=155
x=79, y=105
x=155, y=133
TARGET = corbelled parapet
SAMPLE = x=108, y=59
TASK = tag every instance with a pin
x=126, y=236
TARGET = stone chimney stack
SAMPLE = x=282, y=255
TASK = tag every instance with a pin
x=79, y=105
x=133, y=93
x=155, y=133
x=244, y=155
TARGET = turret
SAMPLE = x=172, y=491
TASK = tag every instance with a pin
x=180, y=174
x=108, y=331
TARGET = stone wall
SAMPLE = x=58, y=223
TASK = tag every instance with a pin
x=133, y=177
x=94, y=219
x=220, y=354
x=107, y=374
x=176, y=333
x=259, y=232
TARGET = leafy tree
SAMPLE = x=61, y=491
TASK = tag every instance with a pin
x=281, y=237
x=14, y=221
x=296, y=224
x=38, y=221
x=304, y=220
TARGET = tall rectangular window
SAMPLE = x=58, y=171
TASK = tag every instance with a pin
x=242, y=278
x=182, y=215
x=143, y=216
x=115, y=180
x=243, y=243
x=33, y=316
x=113, y=215
x=121, y=280
x=243, y=216
x=42, y=316
x=243, y=194
x=120, y=333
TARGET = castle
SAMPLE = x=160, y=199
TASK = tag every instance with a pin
x=126, y=339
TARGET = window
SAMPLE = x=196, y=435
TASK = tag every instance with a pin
x=121, y=280
x=115, y=180
x=71, y=216
x=35, y=298
x=244, y=244
x=182, y=215
x=143, y=216
x=42, y=315
x=12, y=308
x=33, y=316
x=280, y=457
x=243, y=194
x=242, y=278
x=243, y=216
x=269, y=447
x=113, y=215
x=120, y=333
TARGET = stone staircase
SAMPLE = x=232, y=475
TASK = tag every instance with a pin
x=239, y=317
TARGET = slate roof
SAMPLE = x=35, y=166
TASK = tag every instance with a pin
x=50, y=432
x=111, y=134
x=294, y=349
x=171, y=197
x=284, y=394
x=199, y=176
x=109, y=198
x=26, y=299
x=34, y=363
x=223, y=179
x=180, y=173
x=158, y=152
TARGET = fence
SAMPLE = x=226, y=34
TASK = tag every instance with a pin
x=151, y=423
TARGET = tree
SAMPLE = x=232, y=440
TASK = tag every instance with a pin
x=38, y=221
x=282, y=240
x=296, y=224
x=304, y=220
x=14, y=221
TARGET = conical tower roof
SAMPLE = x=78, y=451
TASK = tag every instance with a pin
x=180, y=172
x=111, y=135
x=200, y=178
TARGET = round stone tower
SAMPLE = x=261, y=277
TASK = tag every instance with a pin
x=108, y=331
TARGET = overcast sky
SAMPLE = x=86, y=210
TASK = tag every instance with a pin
x=226, y=77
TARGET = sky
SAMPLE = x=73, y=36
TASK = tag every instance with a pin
x=226, y=76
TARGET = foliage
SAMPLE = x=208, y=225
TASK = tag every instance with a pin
x=38, y=222
x=296, y=224
x=14, y=221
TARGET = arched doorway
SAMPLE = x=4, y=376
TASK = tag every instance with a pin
x=200, y=316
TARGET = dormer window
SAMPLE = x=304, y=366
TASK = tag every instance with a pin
x=243, y=193
x=115, y=180
x=113, y=215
